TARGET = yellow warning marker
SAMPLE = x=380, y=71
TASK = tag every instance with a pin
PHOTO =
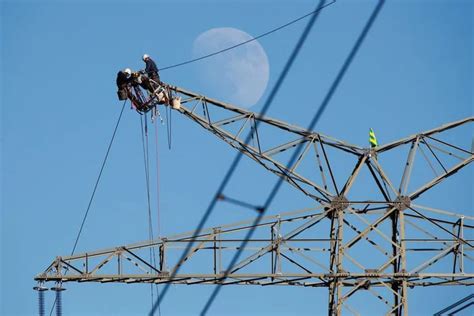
x=372, y=139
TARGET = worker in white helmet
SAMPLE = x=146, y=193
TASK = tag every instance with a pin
x=124, y=78
x=150, y=69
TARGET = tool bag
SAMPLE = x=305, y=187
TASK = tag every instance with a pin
x=122, y=94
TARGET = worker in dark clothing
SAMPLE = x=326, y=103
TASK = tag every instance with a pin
x=123, y=77
x=151, y=69
x=123, y=80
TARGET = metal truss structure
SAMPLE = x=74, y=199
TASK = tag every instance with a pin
x=369, y=237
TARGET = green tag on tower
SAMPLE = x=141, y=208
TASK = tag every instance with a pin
x=372, y=139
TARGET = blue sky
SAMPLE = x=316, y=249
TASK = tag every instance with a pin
x=59, y=61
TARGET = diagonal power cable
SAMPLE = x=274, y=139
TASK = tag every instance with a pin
x=98, y=180
x=94, y=190
x=250, y=40
x=311, y=126
x=238, y=157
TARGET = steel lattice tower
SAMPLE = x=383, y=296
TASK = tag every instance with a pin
x=367, y=237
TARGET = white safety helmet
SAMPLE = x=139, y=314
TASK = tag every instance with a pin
x=145, y=56
x=128, y=71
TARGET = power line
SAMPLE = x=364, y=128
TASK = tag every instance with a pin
x=98, y=179
x=250, y=40
x=297, y=152
x=94, y=190
x=238, y=157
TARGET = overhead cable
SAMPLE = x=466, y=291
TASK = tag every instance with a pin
x=292, y=160
x=238, y=157
x=250, y=40
x=93, y=191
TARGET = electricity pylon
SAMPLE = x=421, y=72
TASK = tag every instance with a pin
x=368, y=236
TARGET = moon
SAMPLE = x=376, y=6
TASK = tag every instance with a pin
x=238, y=76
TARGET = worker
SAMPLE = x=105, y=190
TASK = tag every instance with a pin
x=143, y=81
x=126, y=79
x=372, y=139
x=151, y=69
x=123, y=80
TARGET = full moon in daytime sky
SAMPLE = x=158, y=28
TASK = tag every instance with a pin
x=238, y=76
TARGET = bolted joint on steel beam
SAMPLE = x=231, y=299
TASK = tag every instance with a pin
x=402, y=203
x=370, y=153
x=403, y=274
x=339, y=203
x=342, y=274
x=372, y=273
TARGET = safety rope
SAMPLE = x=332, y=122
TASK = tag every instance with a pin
x=144, y=134
x=146, y=160
x=168, y=125
x=158, y=218
x=157, y=182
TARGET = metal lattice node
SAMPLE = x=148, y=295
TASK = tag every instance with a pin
x=402, y=203
x=339, y=203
